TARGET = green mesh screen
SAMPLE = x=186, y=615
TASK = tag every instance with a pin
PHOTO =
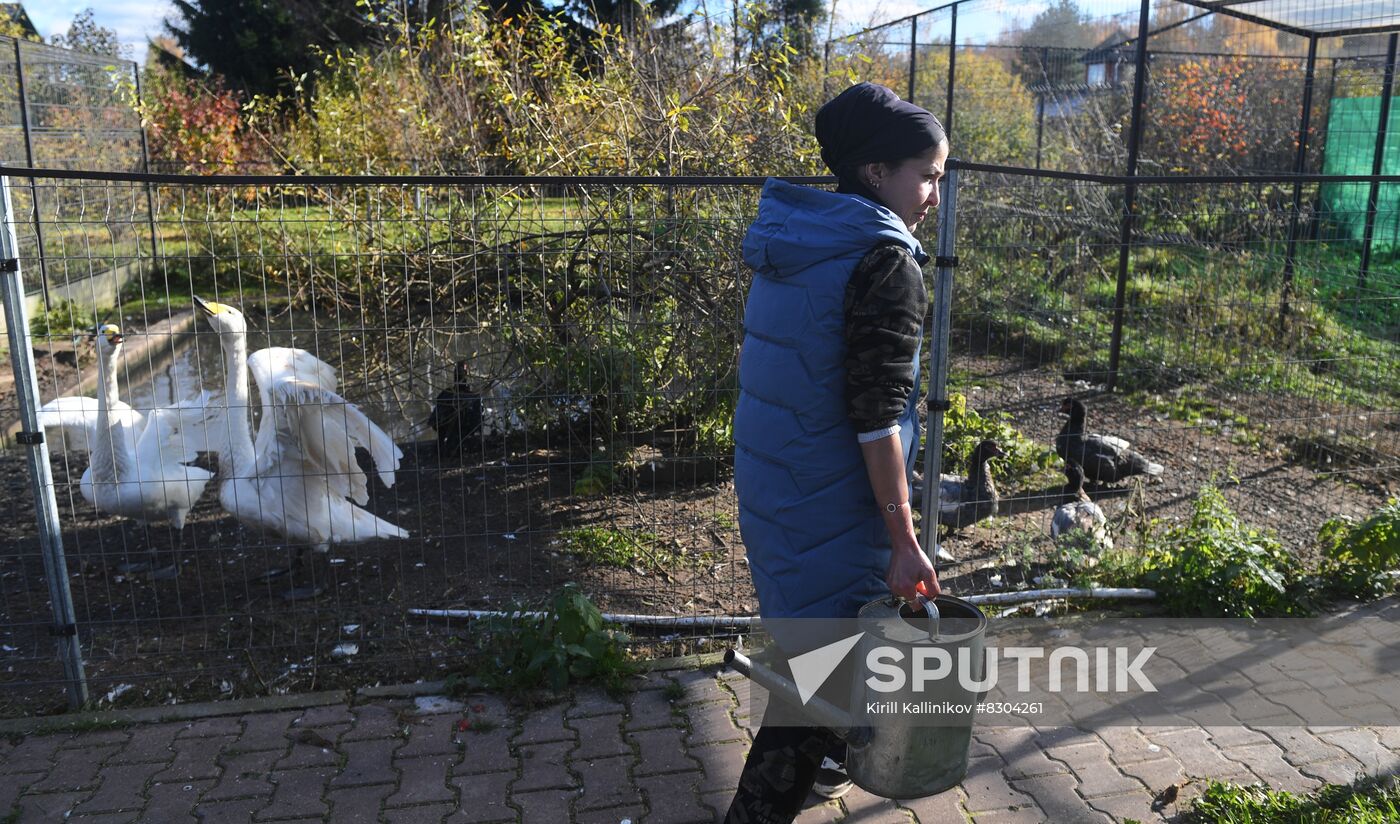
x=1351, y=145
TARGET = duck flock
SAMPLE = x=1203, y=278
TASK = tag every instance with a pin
x=298, y=477
x=1100, y=459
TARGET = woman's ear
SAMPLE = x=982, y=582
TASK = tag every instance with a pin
x=873, y=174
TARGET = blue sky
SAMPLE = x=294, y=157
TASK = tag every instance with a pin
x=133, y=20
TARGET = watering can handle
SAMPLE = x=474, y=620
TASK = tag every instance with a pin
x=932, y=609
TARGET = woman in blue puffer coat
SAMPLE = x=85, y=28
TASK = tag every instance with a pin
x=826, y=426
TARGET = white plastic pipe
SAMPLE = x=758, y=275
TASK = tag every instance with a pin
x=712, y=621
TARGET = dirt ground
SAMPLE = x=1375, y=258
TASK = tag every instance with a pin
x=485, y=532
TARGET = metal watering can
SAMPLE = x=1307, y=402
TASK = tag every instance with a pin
x=892, y=754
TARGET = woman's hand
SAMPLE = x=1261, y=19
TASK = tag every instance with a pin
x=910, y=572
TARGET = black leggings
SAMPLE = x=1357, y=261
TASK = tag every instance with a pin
x=779, y=773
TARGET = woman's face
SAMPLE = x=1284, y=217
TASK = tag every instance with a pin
x=910, y=187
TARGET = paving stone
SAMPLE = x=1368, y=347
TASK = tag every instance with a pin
x=297, y=794
x=422, y=781
x=1364, y=746
x=1057, y=796
x=1235, y=736
x=1018, y=747
x=612, y=815
x=195, y=758
x=1199, y=757
x=74, y=769
x=1157, y=774
x=265, y=731
x=312, y=747
x=946, y=807
x=486, y=752
x=234, y=811
x=174, y=803
x=649, y=710
x=721, y=763
x=95, y=738
x=543, y=726
x=105, y=818
x=244, y=774
x=490, y=708
x=430, y=735
x=122, y=788
x=549, y=805
x=1080, y=753
x=429, y=814
x=697, y=687
x=542, y=766
x=1343, y=770
x=1103, y=777
x=672, y=799
x=661, y=751
x=1300, y=746
x=599, y=736
x=357, y=805
x=230, y=725
x=871, y=809
x=11, y=785
x=1028, y=815
x=1389, y=737
x=47, y=807
x=987, y=789
x=1134, y=805
x=1266, y=761
x=590, y=701
x=373, y=721
x=605, y=783
x=368, y=762
x=150, y=742
x=717, y=802
x=484, y=798
x=33, y=754
x=711, y=723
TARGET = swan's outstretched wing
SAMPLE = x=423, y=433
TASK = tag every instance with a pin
x=305, y=420
x=177, y=434
x=76, y=417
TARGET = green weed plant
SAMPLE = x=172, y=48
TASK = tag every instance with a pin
x=566, y=645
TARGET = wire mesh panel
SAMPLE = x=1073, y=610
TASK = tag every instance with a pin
x=1283, y=395
x=546, y=378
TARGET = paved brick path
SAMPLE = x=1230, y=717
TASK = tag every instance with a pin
x=670, y=752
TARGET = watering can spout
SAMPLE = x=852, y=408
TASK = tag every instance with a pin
x=822, y=712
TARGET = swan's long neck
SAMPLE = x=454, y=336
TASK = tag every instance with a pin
x=239, y=399
x=109, y=449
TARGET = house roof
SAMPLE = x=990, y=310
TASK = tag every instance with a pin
x=1320, y=18
x=1115, y=48
x=14, y=12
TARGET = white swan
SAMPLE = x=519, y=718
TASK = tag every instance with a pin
x=136, y=462
x=299, y=478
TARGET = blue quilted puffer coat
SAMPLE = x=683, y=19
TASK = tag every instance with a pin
x=816, y=543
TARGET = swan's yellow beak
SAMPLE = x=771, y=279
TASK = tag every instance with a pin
x=210, y=308
x=111, y=332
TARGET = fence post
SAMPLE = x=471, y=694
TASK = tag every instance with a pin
x=913, y=54
x=1040, y=104
x=146, y=167
x=33, y=187
x=944, y=261
x=952, y=73
x=31, y=435
x=1125, y=236
x=1299, y=166
x=1377, y=161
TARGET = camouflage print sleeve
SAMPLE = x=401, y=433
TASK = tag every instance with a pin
x=885, y=306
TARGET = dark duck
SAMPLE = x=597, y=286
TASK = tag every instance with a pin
x=1079, y=516
x=1104, y=458
x=456, y=416
x=965, y=501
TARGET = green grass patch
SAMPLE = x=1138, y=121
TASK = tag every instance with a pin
x=625, y=549
x=1367, y=801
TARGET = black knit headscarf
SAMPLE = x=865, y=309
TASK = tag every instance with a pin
x=870, y=124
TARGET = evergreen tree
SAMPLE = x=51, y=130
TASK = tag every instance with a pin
x=255, y=44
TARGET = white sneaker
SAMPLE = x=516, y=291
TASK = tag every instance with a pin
x=832, y=781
